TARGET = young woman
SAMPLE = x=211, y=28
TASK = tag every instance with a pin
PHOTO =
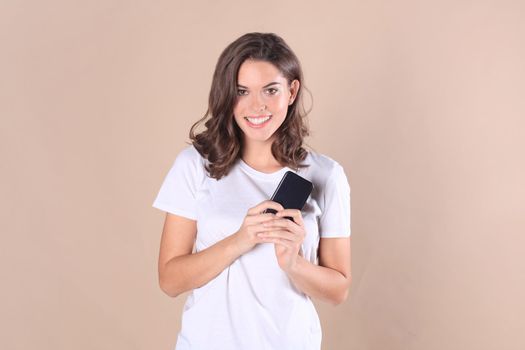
x=253, y=274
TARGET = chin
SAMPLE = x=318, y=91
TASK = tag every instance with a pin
x=249, y=135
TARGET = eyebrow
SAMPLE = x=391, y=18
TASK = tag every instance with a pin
x=265, y=86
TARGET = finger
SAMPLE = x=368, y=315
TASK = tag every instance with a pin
x=282, y=223
x=261, y=226
x=260, y=218
x=259, y=208
x=295, y=214
x=282, y=242
x=285, y=235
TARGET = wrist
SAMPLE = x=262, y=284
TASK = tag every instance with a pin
x=295, y=267
x=234, y=244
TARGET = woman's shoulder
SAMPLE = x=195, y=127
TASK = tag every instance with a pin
x=324, y=169
x=188, y=157
x=190, y=154
x=328, y=174
x=321, y=162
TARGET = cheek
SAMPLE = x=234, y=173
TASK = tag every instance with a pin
x=238, y=110
x=281, y=103
x=240, y=107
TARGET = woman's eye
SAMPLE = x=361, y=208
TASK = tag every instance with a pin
x=271, y=91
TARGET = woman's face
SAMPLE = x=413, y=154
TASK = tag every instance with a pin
x=262, y=92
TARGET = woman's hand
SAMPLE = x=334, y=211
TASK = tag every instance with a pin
x=246, y=237
x=287, y=235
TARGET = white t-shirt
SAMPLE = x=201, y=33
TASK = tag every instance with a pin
x=252, y=304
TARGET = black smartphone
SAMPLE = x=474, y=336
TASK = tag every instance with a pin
x=292, y=192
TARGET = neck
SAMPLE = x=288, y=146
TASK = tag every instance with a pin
x=259, y=154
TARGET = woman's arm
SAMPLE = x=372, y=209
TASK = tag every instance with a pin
x=179, y=269
x=330, y=281
x=187, y=272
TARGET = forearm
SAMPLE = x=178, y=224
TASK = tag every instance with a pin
x=319, y=282
x=187, y=272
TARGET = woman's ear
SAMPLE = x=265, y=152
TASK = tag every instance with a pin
x=294, y=88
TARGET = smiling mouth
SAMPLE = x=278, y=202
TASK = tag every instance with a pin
x=258, y=121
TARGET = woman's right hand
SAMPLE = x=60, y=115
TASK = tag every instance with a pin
x=246, y=236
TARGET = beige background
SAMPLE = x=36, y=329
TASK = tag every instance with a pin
x=422, y=102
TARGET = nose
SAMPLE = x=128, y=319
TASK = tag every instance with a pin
x=257, y=103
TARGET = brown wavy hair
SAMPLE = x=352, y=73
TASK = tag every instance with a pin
x=222, y=141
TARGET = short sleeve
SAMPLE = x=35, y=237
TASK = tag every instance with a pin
x=335, y=218
x=177, y=195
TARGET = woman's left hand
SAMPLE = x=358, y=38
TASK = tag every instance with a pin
x=287, y=236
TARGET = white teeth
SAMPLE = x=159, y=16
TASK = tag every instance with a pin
x=257, y=120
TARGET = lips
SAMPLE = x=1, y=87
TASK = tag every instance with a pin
x=257, y=122
x=258, y=116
